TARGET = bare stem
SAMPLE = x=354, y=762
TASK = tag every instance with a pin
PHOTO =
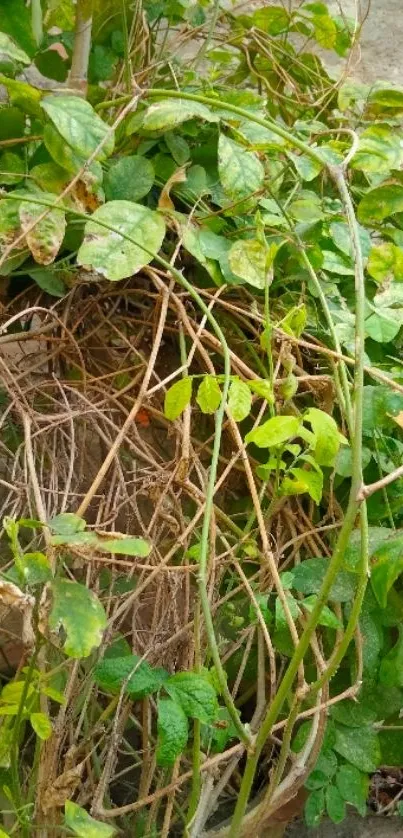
x=82, y=47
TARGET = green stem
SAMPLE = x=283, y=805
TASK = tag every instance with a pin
x=213, y=23
x=14, y=748
x=37, y=21
x=156, y=93
x=345, y=532
x=126, y=56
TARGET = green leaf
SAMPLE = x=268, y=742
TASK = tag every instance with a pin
x=391, y=668
x=127, y=546
x=37, y=569
x=162, y=116
x=314, y=808
x=294, y=321
x=172, y=725
x=361, y=750
x=111, y=672
x=340, y=233
x=327, y=436
x=177, y=398
x=309, y=575
x=327, y=617
x=195, y=695
x=81, y=614
x=386, y=567
x=354, y=713
x=306, y=167
x=324, y=770
x=17, y=22
x=67, y=523
x=281, y=619
x=54, y=695
x=262, y=388
x=239, y=400
x=12, y=168
x=307, y=207
x=336, y=263
x=80, y=127
x=178, y=147
x=275, y=431
x=325, y=31
x=298, y=481
x=241, y=172
x=381, y=202
x=13, y=691
x=24, y=96
x=335, y=805
x=381, y=328
x=83, y=825
x=129, y=179
x=10, y=49
x=51, y=65
x=273, y=20
x=49, y=281
x=192, y=242
x=353, y=786
x=247, y=259
x=391, y=742
x=41, y=725
x=344, y=463
x=209, y=394
x=116, y=257
x=67, y=158
x=387, y=97
x=45, y=239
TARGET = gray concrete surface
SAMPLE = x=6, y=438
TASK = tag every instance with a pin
x=380, y=55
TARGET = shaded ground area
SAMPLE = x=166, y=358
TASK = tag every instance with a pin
x=352, y=827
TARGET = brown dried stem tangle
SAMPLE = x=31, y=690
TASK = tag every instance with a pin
x=86, y=430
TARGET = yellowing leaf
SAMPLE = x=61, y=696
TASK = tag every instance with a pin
x=45, y=239
x=299, y=480
x=117, y=256
x=381, y=202
x=247, y=259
